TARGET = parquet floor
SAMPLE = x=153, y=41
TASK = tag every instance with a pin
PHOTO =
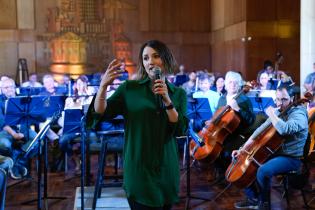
x=58, y=185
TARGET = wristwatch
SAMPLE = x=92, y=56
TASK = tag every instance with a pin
x=170, y=106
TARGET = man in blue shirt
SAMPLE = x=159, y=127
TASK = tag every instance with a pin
x=294, y=126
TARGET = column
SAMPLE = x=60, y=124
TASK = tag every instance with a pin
x=307, y=39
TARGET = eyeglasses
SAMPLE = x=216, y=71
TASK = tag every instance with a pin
x=282, y=99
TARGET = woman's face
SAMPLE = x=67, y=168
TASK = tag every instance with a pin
x=81, y=86
x=151, y=59
x=263, y=80
x=220, y=83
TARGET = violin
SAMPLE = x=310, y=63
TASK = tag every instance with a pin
x=242, y=171
x=211, y=137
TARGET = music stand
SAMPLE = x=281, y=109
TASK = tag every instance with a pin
x=261, y=103
x=197, y=108
x=27, y=91
x=33, y=110
x=24, y=110
x=72, y=122
x=273, y=84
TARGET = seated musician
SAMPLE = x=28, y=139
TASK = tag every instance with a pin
x=82, y=96
x=13, y=141
x=204, y=85
x=294, y=126
x=243, y=107
x=263, y=80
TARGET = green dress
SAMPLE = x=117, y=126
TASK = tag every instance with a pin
x=151, y=166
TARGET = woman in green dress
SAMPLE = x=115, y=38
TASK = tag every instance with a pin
x=154, y=112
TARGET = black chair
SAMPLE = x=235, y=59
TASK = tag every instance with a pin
x=111, y=141
x=297, y=179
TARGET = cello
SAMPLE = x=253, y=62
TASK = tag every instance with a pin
x=242, y=171
x=210, y=139
x=311, y=128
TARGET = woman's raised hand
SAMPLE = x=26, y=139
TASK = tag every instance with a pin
x=112, y=72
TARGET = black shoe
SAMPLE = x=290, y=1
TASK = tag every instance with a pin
x=247, y=204
x=23, y=171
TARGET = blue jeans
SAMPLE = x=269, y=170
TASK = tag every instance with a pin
x=6, y=162
x=274, y=166
x=66, y=141
x=6, y=147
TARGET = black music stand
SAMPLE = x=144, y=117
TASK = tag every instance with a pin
x=272, y=84
x=29, y=91
x=32, y=110
x=75, y=122
x=72, y=122
x=197, y=109
x=24, y=110
x=261, y=103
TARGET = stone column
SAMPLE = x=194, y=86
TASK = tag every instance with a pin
x=307, y=39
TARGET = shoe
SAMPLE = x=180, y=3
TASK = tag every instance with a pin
x=15, y=173
x=23, y=170
x=247, y=204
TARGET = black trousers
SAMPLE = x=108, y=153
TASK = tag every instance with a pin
x=137, y=206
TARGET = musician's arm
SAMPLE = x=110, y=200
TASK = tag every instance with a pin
x=297, y=121
x=256, y=133
x=245, y=110
x=12, y=132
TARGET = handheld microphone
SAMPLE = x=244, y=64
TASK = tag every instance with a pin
x=157, y=73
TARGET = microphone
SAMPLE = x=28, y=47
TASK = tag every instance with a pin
x=158, y=98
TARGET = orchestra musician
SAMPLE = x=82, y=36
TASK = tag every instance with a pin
x=155, y=113
x=13, y=139
x=294, y=127
x=82, y=96
x=243, y=107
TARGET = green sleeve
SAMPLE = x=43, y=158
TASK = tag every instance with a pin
x=115, y=106
x=179, y=128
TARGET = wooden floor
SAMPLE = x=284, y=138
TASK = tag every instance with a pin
x=61, y=185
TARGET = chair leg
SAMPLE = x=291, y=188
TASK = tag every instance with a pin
x=99, y=179
x=304, y=199
x=116, y=163
x=286, y=190
x=66, y=162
